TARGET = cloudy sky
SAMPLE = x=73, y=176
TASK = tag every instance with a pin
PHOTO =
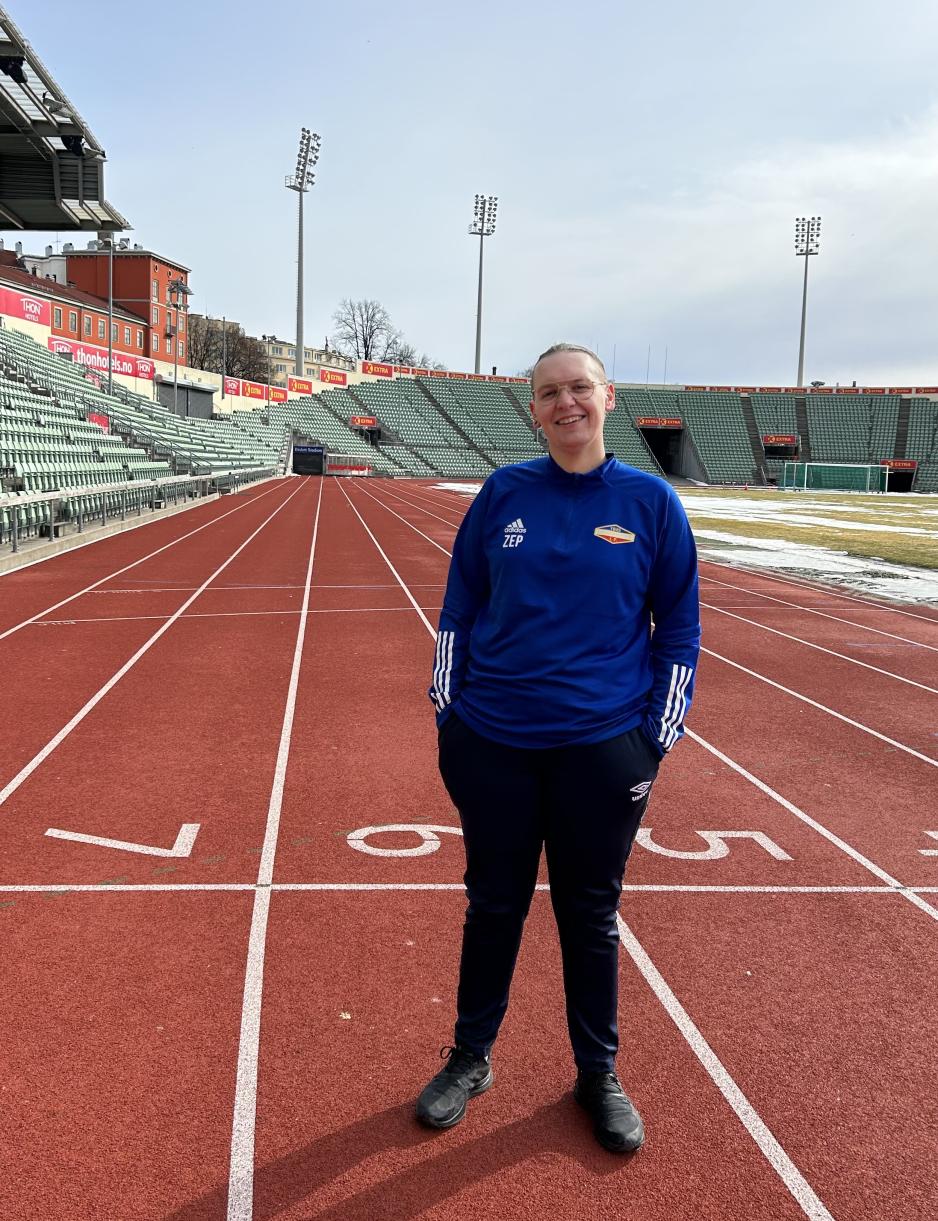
x=649, y=162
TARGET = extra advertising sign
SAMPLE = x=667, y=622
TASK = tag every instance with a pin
x=253, y=390
x=16, y=304
x=278, y=394
x=299, y=385
x=96, y=358
x=780, y=438
x=363, y=421
x=102, y=421
x=334, y=377
x=377, y=370
x=233, y=386
x=899, y=464
x=659, y=421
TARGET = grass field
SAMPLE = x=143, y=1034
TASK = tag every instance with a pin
x=899, y=528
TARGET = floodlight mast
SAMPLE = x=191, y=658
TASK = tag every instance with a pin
x=807, y=242
x=301, y=181
x=483, y=226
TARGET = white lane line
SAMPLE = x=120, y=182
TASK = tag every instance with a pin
x=762, y=678
x=819, y=588
x=241, y=1168
x=410, y=505
x=388, y=509
x=823, y=708
x=25, y=772
x=110, y=577
x=397, y=576
x=813, y=610
x=336, y=610
x=722, y=610
x=56, y=888
x=830, y=836
x=768, y=1145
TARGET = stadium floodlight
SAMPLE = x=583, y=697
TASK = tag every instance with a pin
x=484, y=214
x=807, y=242
x=107, y=243
x=301, y=181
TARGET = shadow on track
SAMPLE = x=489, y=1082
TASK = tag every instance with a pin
x=558, y=1129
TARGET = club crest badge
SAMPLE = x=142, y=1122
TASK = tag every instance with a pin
x=614, y=534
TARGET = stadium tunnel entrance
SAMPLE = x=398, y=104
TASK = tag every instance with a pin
x=665, y=443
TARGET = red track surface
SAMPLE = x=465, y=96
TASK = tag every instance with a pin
x=778, y=1041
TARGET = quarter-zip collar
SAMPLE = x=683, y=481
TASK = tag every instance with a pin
x=572, y=479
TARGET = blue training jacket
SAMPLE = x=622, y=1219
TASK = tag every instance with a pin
x=546, y=634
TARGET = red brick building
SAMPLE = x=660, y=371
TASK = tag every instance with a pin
x=77, y=315
x=142, y=282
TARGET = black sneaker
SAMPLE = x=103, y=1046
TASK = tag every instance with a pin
x=442, y=1102
x=617, y=1124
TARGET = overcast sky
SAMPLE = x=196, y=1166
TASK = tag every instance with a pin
x=649, y=162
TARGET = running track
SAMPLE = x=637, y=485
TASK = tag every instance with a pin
x=234, y=1022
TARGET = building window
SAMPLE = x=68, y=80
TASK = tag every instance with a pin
x=281, y=368
x=102, y=328
x=115, y=330
x=156, y=290
x=156, y=341
x=127, y=336
x=169, y=295
x=278, y=350
x=155, y=316
x=140, y=340
x=182, y=323
x=86, y=323
x=73, y=321
x=182, y=349
x=57, y=316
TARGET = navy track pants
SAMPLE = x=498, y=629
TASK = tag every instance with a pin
x=583, y=805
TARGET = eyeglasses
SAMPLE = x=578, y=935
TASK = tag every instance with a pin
x=581, y=389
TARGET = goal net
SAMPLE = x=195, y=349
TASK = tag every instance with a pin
x=835, y=476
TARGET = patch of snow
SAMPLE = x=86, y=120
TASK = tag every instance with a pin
x=877, y=577
x=465, y=489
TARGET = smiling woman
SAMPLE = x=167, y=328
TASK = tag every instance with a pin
x=555, y=706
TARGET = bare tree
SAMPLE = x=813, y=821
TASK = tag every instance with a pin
x=235, y=354
x=364, y=331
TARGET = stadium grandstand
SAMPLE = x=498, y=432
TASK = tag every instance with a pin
x=100, y=412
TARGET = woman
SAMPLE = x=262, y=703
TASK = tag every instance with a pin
x=556, y=700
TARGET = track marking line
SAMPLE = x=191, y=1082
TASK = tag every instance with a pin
x=821, y=830
x=812, y=610
x=25, y=772
x=181, y=848
x=411, y=505
x=722, y=610
x=244, y=1118
x=762, y=678
x=410, y=597
x=809, y=1202
x=823, y=708
x=110, y=577
x=689, y=888
x=388, y=509
x=820, y=587
x=289, y=610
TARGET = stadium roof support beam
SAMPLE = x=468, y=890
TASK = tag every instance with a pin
x=52, y=167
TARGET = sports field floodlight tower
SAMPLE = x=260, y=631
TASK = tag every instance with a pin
x=483, y=226
x=807, y=242
x=301, y=181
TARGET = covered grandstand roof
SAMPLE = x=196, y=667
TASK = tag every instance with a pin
x=51, y=166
